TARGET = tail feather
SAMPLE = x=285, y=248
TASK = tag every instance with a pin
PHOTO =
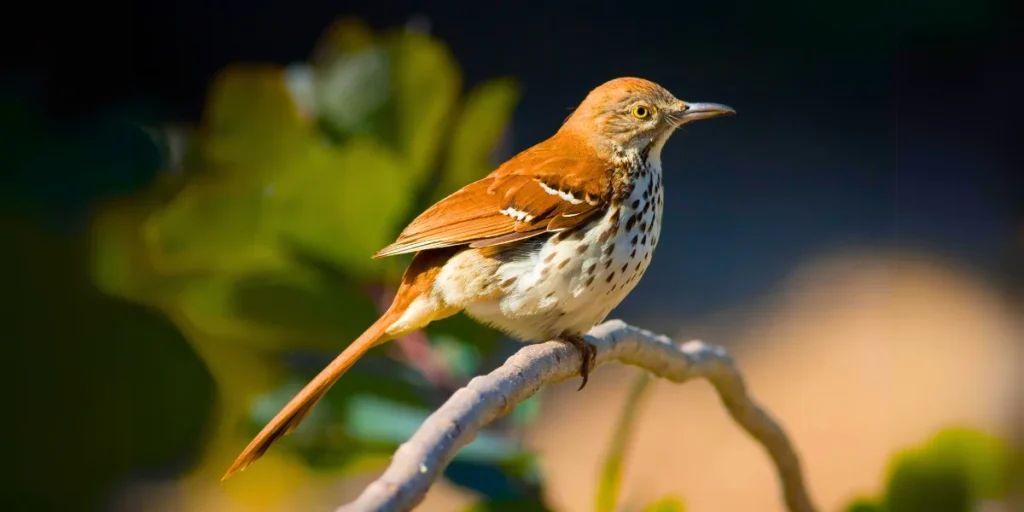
x=416, y=282
x=296, y=410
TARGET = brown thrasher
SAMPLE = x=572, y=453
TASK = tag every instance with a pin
x=542, y=248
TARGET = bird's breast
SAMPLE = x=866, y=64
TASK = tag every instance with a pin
x=571, y=280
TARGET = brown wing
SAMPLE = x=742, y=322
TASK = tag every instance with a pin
x=549, y=187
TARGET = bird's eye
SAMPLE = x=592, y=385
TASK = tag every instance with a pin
x=641, y=112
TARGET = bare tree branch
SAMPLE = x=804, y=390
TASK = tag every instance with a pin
x=421, y=459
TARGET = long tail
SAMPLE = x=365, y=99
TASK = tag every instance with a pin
x=416, y=283
x=296, y=410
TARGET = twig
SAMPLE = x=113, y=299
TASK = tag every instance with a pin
x=421, y=459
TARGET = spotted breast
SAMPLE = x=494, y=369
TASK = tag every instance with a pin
x=571, y=280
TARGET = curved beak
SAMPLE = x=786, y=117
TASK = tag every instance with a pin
x=696, y=111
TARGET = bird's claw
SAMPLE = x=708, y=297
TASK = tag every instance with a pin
x=588, y=354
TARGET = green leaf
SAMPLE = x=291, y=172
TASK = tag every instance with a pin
x=986, y=459
x=865, y=505
x=500, y=482
x=483, y=339
x=344, y=36
x=377, y=419
x=916, y=483
x=667, y=504
x=952, y=472
x=371, y=418
x=312, y=309
x=352, y=93
x=350, y=82
x=290, y=307
x=217, y=222
x=462, y=359
x=252, y=123
x=221, y=219
x=344, y=204
x=331, y=437
x=611, y=472
x=206, y=305
x=528, y=410
x=321, y=439
x=481, y=123
x=425, y=83
x=119, y=262
x=367, y=414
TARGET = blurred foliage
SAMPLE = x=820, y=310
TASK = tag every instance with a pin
x=955, y=471
x=255, y=240
x=669, y=504
x=101, y=390
x=96, y=382
x=608, y=487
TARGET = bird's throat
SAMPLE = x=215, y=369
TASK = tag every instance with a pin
x=653, y=150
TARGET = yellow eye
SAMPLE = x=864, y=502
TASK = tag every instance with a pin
x=641, y=112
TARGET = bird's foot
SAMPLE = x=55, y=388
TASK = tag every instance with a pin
x=588, y=353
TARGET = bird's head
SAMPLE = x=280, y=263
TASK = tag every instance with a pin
x=628, y=115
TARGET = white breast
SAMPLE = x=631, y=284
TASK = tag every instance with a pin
x=571, y=283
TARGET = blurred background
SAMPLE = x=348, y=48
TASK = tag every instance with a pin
x=191, y=192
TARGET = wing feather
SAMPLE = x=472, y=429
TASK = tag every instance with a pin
x=538, y=191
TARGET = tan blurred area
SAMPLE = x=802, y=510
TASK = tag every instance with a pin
x=858, y=355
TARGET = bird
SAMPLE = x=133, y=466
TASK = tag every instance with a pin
x=542, y=248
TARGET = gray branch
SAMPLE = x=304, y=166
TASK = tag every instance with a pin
x=419, y=461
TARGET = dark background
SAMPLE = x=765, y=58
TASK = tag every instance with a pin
x=867, y=124
x=875, y=123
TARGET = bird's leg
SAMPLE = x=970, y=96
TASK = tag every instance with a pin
x=587, y=350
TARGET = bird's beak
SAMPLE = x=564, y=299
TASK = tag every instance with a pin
x=689, y=112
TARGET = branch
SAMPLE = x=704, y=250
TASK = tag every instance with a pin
x=421, y=459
